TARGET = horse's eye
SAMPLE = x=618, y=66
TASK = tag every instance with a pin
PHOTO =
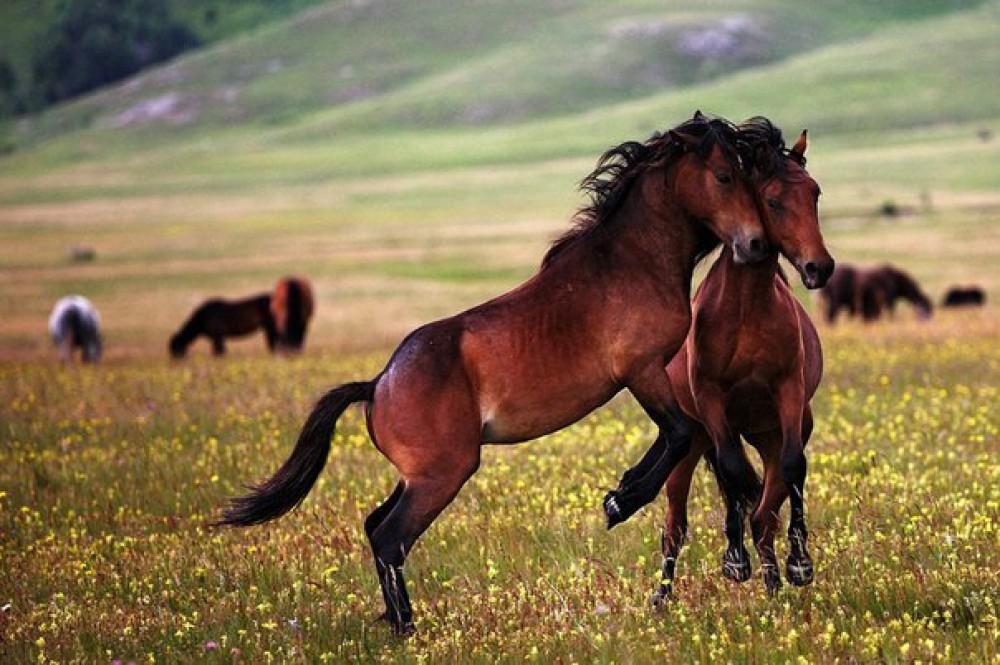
x=723, y=178
x=774, y=204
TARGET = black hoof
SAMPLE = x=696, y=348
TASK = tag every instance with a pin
x=613, y=510
x=662, y=597
x=772, y=579
x=799, y=571
x=404, y=629
x=736, y=567
x=399, y=628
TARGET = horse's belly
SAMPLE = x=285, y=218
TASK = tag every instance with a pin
x=513, y=420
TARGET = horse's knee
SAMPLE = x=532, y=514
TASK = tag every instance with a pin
x=678, y=431
x=731, y=463
x=794, y=466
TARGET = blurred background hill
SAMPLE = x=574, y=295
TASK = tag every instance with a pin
x=415, y=158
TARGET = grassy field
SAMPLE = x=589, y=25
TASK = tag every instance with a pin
x=109, y=476
x=413, y=159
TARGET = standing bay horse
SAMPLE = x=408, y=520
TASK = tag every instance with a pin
x=750, y=366
x=75, y=324
x=609, y=306
x=291, y=309
x=218, y=319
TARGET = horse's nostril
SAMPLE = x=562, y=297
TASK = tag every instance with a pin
x=812, y=269
x=756, y=245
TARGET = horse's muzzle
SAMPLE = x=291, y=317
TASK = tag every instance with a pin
x=749, y=249
x=815, y=272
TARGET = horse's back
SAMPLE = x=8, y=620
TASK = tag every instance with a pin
x=73, y=306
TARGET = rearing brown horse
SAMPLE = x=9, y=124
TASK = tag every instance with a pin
x=751, y=364
x=608, y=308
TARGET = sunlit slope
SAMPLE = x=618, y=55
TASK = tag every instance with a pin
x=903, y=77
x=349, y=66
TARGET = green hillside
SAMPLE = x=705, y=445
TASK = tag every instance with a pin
x=441, y=63
x=24, y=22
x=393, y=150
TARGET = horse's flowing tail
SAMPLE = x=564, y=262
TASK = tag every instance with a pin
x=288, y=487
x=751, y=486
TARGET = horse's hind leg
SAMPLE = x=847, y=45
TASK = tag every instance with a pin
x=422, y=499
x=218, y=345
x=807, y=425
x=425, y=420
x=66, y=349
x=372, y=522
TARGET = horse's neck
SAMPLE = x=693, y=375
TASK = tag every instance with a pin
x=192, y=327
x=656, y=239
x=747, y=286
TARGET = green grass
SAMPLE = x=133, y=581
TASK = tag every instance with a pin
x=414, y=159
x=110, y=474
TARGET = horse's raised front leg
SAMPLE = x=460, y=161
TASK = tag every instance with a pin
x=791, y=410
x=641, y=484
x=671, y=446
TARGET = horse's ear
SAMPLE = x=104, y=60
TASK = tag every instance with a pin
x=799, y=149
x=698, y=115
x=683, y=140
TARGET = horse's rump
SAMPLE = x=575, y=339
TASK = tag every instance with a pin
x=291, y=308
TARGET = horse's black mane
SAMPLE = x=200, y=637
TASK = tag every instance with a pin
x=762, y=149
x=618, y=168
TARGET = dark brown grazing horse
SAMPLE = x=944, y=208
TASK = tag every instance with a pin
x=218, y=319
x=750, y=366
x=840, y=292
x=964, y=296
x=872, y=292
x=878, y=290
x=609, y=306
x=291, y=309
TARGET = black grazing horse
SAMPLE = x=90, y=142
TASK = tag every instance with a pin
x=964, y=296
x=218, y=319
x=872, y=292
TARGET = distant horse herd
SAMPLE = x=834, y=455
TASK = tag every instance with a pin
x=282, y=314
x=609, y=309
